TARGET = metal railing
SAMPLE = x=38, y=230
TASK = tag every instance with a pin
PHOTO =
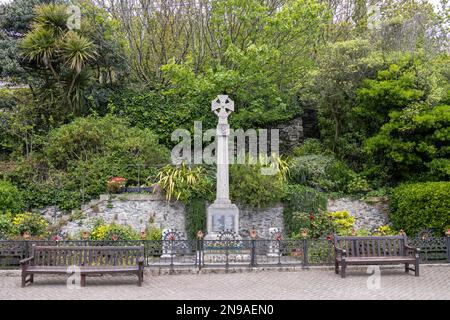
x=172, y=254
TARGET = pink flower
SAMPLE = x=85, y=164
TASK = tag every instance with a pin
x=115, y=237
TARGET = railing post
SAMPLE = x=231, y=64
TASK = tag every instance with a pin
x=146, y=253
x=447, y=240
x=171, y=257
x=226, y=255
x=25, y=249
x=199, y=257
x=305, y=253
x=279, y=251
x=253, y=254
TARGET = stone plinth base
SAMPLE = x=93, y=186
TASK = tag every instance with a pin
x=222, y=217
x=243, y=256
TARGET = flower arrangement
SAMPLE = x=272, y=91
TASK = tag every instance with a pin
x=115, y=184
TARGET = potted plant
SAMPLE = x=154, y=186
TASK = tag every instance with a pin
x=85, y=235
x=115, y=184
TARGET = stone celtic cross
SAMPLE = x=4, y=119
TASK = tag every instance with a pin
x=223, y=107
x=222, y=214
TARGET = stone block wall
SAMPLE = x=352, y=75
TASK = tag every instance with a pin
x=368, y=215
x=143, y=211
x=137, y=210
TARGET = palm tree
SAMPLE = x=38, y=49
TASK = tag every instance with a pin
x=65, y=53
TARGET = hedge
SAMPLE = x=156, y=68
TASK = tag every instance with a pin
x=419, y=206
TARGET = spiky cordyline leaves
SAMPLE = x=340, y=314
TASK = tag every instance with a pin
x=77, y=50
x=52, y=17
x=39, y=45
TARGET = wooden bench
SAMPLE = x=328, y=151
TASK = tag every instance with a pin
x=89, y=260
x=374, y=251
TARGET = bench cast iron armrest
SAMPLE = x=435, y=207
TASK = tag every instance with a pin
x=342, y=252
x=141, y=260
x=413, y=249
x=26, y=261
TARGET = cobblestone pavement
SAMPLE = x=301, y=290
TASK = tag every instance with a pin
x=433, y=283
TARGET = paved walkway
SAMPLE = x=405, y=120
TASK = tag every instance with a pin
x=433, y=283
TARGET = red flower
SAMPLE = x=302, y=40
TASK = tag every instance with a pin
x=311, y=217
x=115, y=237
x=330, y=237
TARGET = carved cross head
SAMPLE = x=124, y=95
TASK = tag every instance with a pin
x=222, y=106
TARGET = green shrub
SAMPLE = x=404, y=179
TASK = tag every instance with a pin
x=310, y=147
x=113, y=232
x=421, y=205
x=343, y=223
x=184, y=182
x=39, y=195
x=195, y=217
x=30, y=222
x=385, y=230
x=311, y=225
x=249, y=186
x=7, y=227
x=154, y=234
x=300, y=198
x=325, y=173
x=11, y=199
x=78, y=159
x=86, y=138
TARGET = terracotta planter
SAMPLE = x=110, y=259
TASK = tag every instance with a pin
x=85, y=235
x=26, y=235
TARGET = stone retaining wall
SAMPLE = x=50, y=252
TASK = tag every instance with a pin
x=368, y=215
x=142, y=211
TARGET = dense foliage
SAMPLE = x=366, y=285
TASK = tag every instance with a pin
x=370, y=80
x=77, y=160
x=414, y=144
x=421, y=206
x=195, y=217
x=11, y=199
x=302, y=199
x=251, y=185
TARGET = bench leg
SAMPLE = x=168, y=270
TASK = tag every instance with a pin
x=406, y=267
x=343, y=267
x=140, y=277
x=31, y=278
x=416, y=269
x=24, y=280
x=83, y=280
x=336, y=267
